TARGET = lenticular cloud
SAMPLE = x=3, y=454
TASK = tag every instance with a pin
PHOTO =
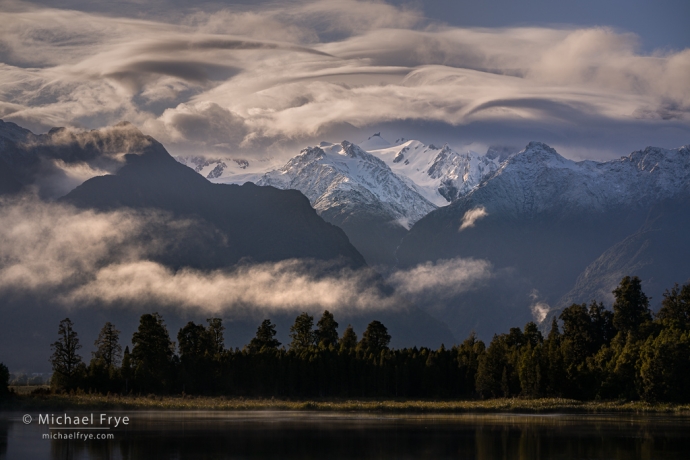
x=259, y=79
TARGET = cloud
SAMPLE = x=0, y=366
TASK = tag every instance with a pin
x=443, y=279
x=280, y=74
x=282, y=286
x=472, y=216
x=538, y=308
x=83, y=258
x=57, y=162
x=207, y=124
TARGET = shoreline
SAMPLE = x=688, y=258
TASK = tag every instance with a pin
x=220, y=403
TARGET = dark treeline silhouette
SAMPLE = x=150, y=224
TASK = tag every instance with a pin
x=589, y=353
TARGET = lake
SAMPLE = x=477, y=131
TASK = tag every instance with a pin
x=305, y=435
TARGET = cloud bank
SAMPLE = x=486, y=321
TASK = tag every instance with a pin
x=82, y=258
x=275, y=76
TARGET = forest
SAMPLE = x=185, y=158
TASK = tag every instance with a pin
x=589, y=353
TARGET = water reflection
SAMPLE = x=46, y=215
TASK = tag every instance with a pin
x=281, y=435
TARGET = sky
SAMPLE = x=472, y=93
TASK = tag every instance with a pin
x=594, y=79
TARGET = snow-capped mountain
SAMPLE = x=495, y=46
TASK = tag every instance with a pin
x=440, y=174
x=345, y=176
x=538, y=179
x=228, y=170
x=356, y=191
x=558, y=231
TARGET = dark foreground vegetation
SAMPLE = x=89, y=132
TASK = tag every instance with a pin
x=590, y=353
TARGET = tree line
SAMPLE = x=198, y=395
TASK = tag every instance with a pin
x=590, y=352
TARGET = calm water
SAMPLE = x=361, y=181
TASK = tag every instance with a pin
x=286, y=435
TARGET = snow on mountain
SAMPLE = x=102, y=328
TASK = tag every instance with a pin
x=440, y=174
x=344, y=175
x=538, y=179
x=374, y=142
x=229, y=170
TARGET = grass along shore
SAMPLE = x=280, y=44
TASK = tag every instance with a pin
x=186, y=402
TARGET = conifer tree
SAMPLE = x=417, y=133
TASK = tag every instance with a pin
x=348, y=341
x=108, y=348
x=492, y=378
x=302, y=333
x=265, y=338
x=468, y=362
x=215, y=330
x=664, y=368
x=532, y=334
x=675, y=307
x=195, y=342
x=197, y=350
x=555, y=372
x=152, y=353
x=127, y=372
x=65, y=359
x=529, y=370
x=631, y=307
x=375, y=338
x=602, y=330
x=327, y=330
x=577, y=340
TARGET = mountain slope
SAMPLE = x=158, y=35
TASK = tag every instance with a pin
x=374, y=192
x=541, y=220
x=262, y=223
x=357, y=192
x=205, y=226
x=657, y=253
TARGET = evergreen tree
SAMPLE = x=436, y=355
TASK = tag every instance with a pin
x=631, y=307
x=265, y=338
x=555, y=368
x=197, y=348
x=532, y=334
x=602, y=329
x=108, y=349
x=195, y=342
x=675, y=307
x=468, y=354
x=127, y=371
x=65, y=360
x=327, y=330
x=152, y=353
x=624, y=380
x=348, y=341
x=577, y=340
x=215, y=330
x=529, y=370
x=664, y=368
x=375, y=338
x=492, y=378
x=302, y=333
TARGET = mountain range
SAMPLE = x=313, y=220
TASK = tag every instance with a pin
x=552, y=231
x=555, y=231
x=207, y=227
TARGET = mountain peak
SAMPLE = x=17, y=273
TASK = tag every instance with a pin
x=374, y=142
x=540, y=154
